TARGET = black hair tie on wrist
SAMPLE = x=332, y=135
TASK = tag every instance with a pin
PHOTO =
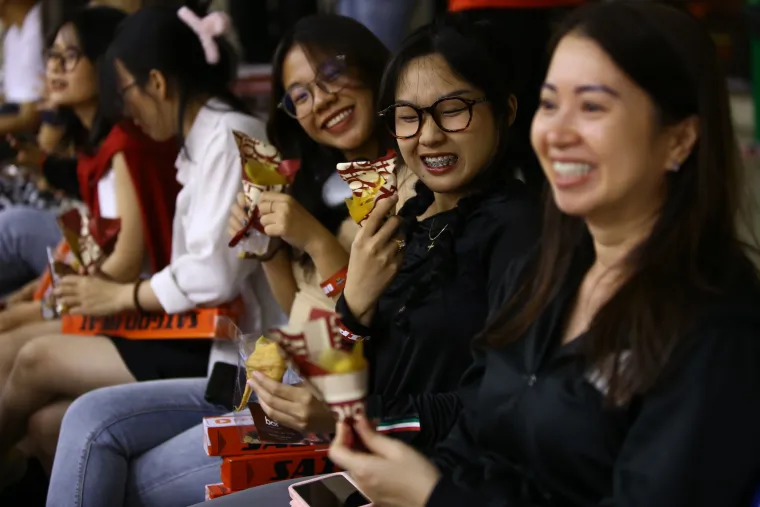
x=136, y=296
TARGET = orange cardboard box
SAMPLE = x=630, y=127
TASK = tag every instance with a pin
x=216, y=491
x=222, y=437
x=198, y=323
x=243, y=472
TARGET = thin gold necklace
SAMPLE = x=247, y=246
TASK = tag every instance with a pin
x=433, y=238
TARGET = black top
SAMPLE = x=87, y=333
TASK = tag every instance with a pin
x=535, y=433
x=426, y=319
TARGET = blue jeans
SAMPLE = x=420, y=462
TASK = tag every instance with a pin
x=135, y=445
x=387, y=19
x=25, y=234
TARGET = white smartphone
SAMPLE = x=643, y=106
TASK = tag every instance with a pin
x=334, y=490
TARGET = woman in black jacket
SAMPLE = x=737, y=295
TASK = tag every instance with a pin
x=446, y=99
x=624, y=368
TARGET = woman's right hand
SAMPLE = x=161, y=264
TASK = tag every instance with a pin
x=238, y=216
x=375, y=258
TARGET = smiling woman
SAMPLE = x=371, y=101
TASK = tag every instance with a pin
x=118, y=173
x=446, y=99
x=624, y=366
x=325, y=79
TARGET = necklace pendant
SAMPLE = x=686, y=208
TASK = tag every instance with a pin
x=431, y=245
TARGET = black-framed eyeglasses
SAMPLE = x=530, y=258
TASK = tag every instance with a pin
x=451, y=114
x=332, y=77
x=66, y=59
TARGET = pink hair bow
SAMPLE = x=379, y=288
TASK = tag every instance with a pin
x=213, y=25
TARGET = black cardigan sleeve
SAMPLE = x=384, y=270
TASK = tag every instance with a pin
x=694, y=442
x=350, y=322
x=61, y=172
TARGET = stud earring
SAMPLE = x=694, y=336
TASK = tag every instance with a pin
x=675, y=167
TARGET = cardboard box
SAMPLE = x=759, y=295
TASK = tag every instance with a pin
x=222, y=437
x=200, y=323
x=216, y=490
x=243, y=472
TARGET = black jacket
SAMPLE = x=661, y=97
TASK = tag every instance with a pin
x=535, y=431
x=425, y=321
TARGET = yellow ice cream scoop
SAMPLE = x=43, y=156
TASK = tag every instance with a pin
x=360, y=206
x=338, y=361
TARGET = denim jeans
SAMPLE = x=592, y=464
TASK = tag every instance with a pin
x=25, y=234
x=138, y=444
x=387, y=19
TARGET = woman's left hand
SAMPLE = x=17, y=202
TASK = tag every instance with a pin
x=284, y=217
x=91, y=295
x=393, y=475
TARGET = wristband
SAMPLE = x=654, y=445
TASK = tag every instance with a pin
x=334, y=285
x=52, y=118
x=348, y=335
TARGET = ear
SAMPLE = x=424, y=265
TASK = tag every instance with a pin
x=683, y=137
x=512, y=102
x=157, y=85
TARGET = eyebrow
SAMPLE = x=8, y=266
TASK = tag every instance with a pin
x=453, y=94
x=585, y=88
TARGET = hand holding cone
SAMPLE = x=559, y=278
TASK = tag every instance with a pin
x=264, y=170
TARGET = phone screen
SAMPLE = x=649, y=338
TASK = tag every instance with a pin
x=335, y=491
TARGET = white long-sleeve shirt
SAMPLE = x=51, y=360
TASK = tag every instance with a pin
x=203, y=269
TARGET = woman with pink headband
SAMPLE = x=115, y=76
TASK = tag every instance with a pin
x=169, y=72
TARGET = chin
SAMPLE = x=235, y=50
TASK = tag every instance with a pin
x=61, y=100
x=350, y=141
x=572, y=207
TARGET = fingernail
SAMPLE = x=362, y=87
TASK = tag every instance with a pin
x=258, y=375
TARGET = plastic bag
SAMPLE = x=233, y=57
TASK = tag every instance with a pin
x=248, y=412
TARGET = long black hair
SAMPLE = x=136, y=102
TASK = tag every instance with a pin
x=155, y=38
x=94, y=28
x=694, y=250
x=323, y=36
x=477, y=54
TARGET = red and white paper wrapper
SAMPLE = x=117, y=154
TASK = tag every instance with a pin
x=370, y=182
x=90, y=240
x=264, y=170
x=345, y=392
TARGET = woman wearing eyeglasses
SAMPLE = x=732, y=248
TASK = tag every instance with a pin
x=446, y=99
x=143, y=442
x=118, y=173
